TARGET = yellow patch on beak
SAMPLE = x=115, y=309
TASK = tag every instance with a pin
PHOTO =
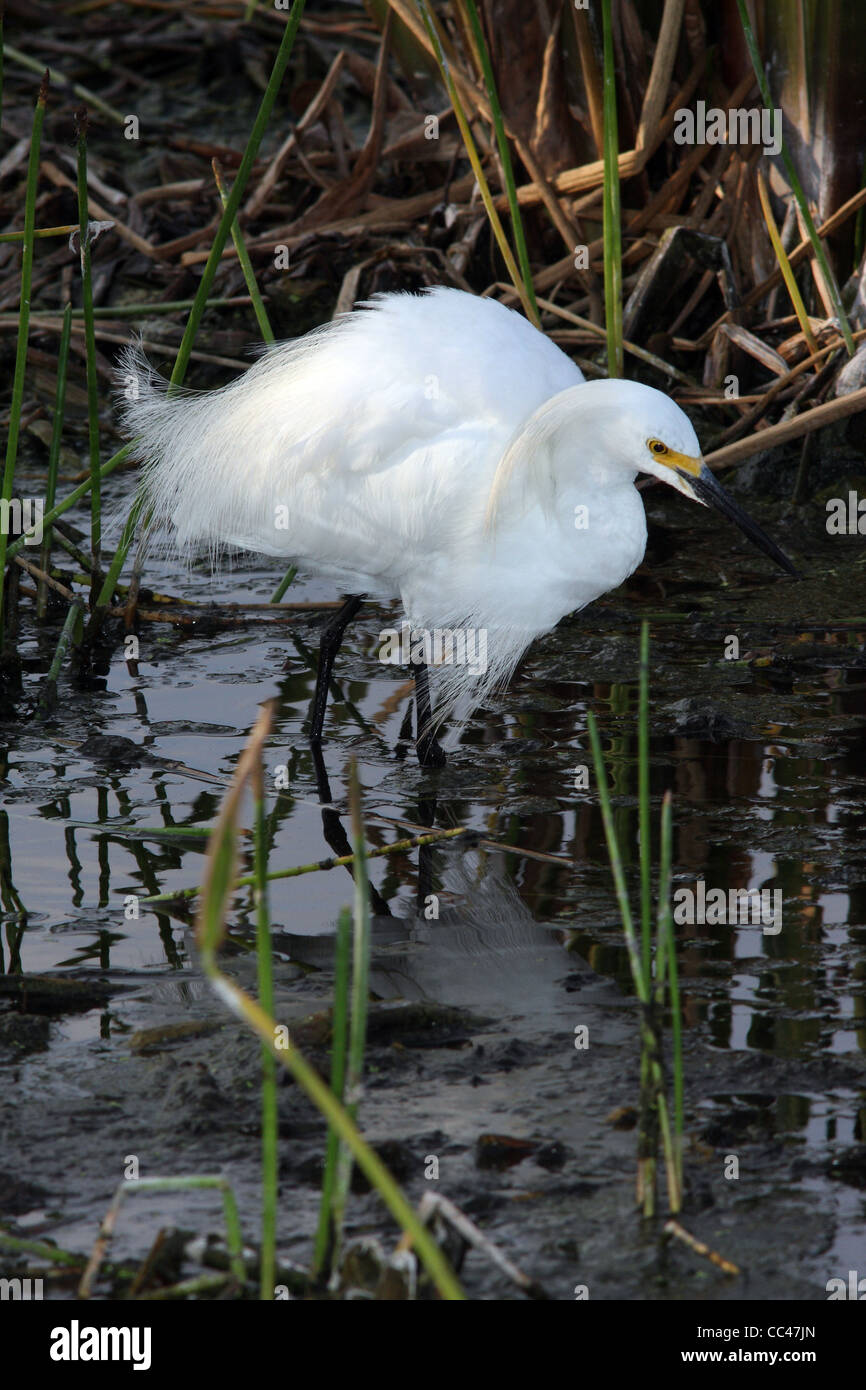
x=684, y=462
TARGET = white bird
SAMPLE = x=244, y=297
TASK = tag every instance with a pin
x=432, y=448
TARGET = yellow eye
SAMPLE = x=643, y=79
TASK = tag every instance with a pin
x=656, y=446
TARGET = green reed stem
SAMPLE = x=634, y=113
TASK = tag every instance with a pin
x=475, y=162
x=210, y=931
x=60, y=81
x=40, y=232
x=140, y=309
x=367, y=1160
x=666, y=955
x=75, y=552
x=89, y=339
x=54, y=456
x=651, y=1060
x=504, y=155
x=615, y=856
x=262, y=319
x=339, y=1040
x=264, y=958
x=40, y=1249
x=360, y=990
x=284, y=583
x=233, y=201
x=319, y=866
x=129, y=1188
x=23, y=331
x=70, y=501
x=246, y=265
x=48, y=695
x=643, y=777
x=109, y=584
x=360, y=938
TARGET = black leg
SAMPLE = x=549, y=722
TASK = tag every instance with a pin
x=335, y=832
x=329, y=645
x=429, y=752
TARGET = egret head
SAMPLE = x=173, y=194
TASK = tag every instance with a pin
x=665, y=445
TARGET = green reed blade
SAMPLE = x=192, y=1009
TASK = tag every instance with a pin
x=643, y=774
x=339, y=1042
x=89, y=338
x=360, y=990
x=54, y=455
x=23, y=332
x=70, y=501
x=210, y=931
x=475, y=161
x=246, y=264
x=265, y=968
x=233, y=201
x=504, y=155
x=666, y=956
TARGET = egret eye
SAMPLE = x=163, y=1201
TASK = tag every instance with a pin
x=657, y=447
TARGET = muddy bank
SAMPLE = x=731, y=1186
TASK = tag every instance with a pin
x=472, y=1058
x=523, y=1125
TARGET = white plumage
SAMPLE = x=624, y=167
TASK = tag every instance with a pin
x=434, y=448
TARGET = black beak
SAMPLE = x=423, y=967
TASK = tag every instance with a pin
x=711, y=492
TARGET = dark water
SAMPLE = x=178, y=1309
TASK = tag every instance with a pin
x=765, y=758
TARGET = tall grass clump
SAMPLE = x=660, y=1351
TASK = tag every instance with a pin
x=23, y=333
x=219, y=884
x=654, y=973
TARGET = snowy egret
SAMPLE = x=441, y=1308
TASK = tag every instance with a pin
x=434, y=448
